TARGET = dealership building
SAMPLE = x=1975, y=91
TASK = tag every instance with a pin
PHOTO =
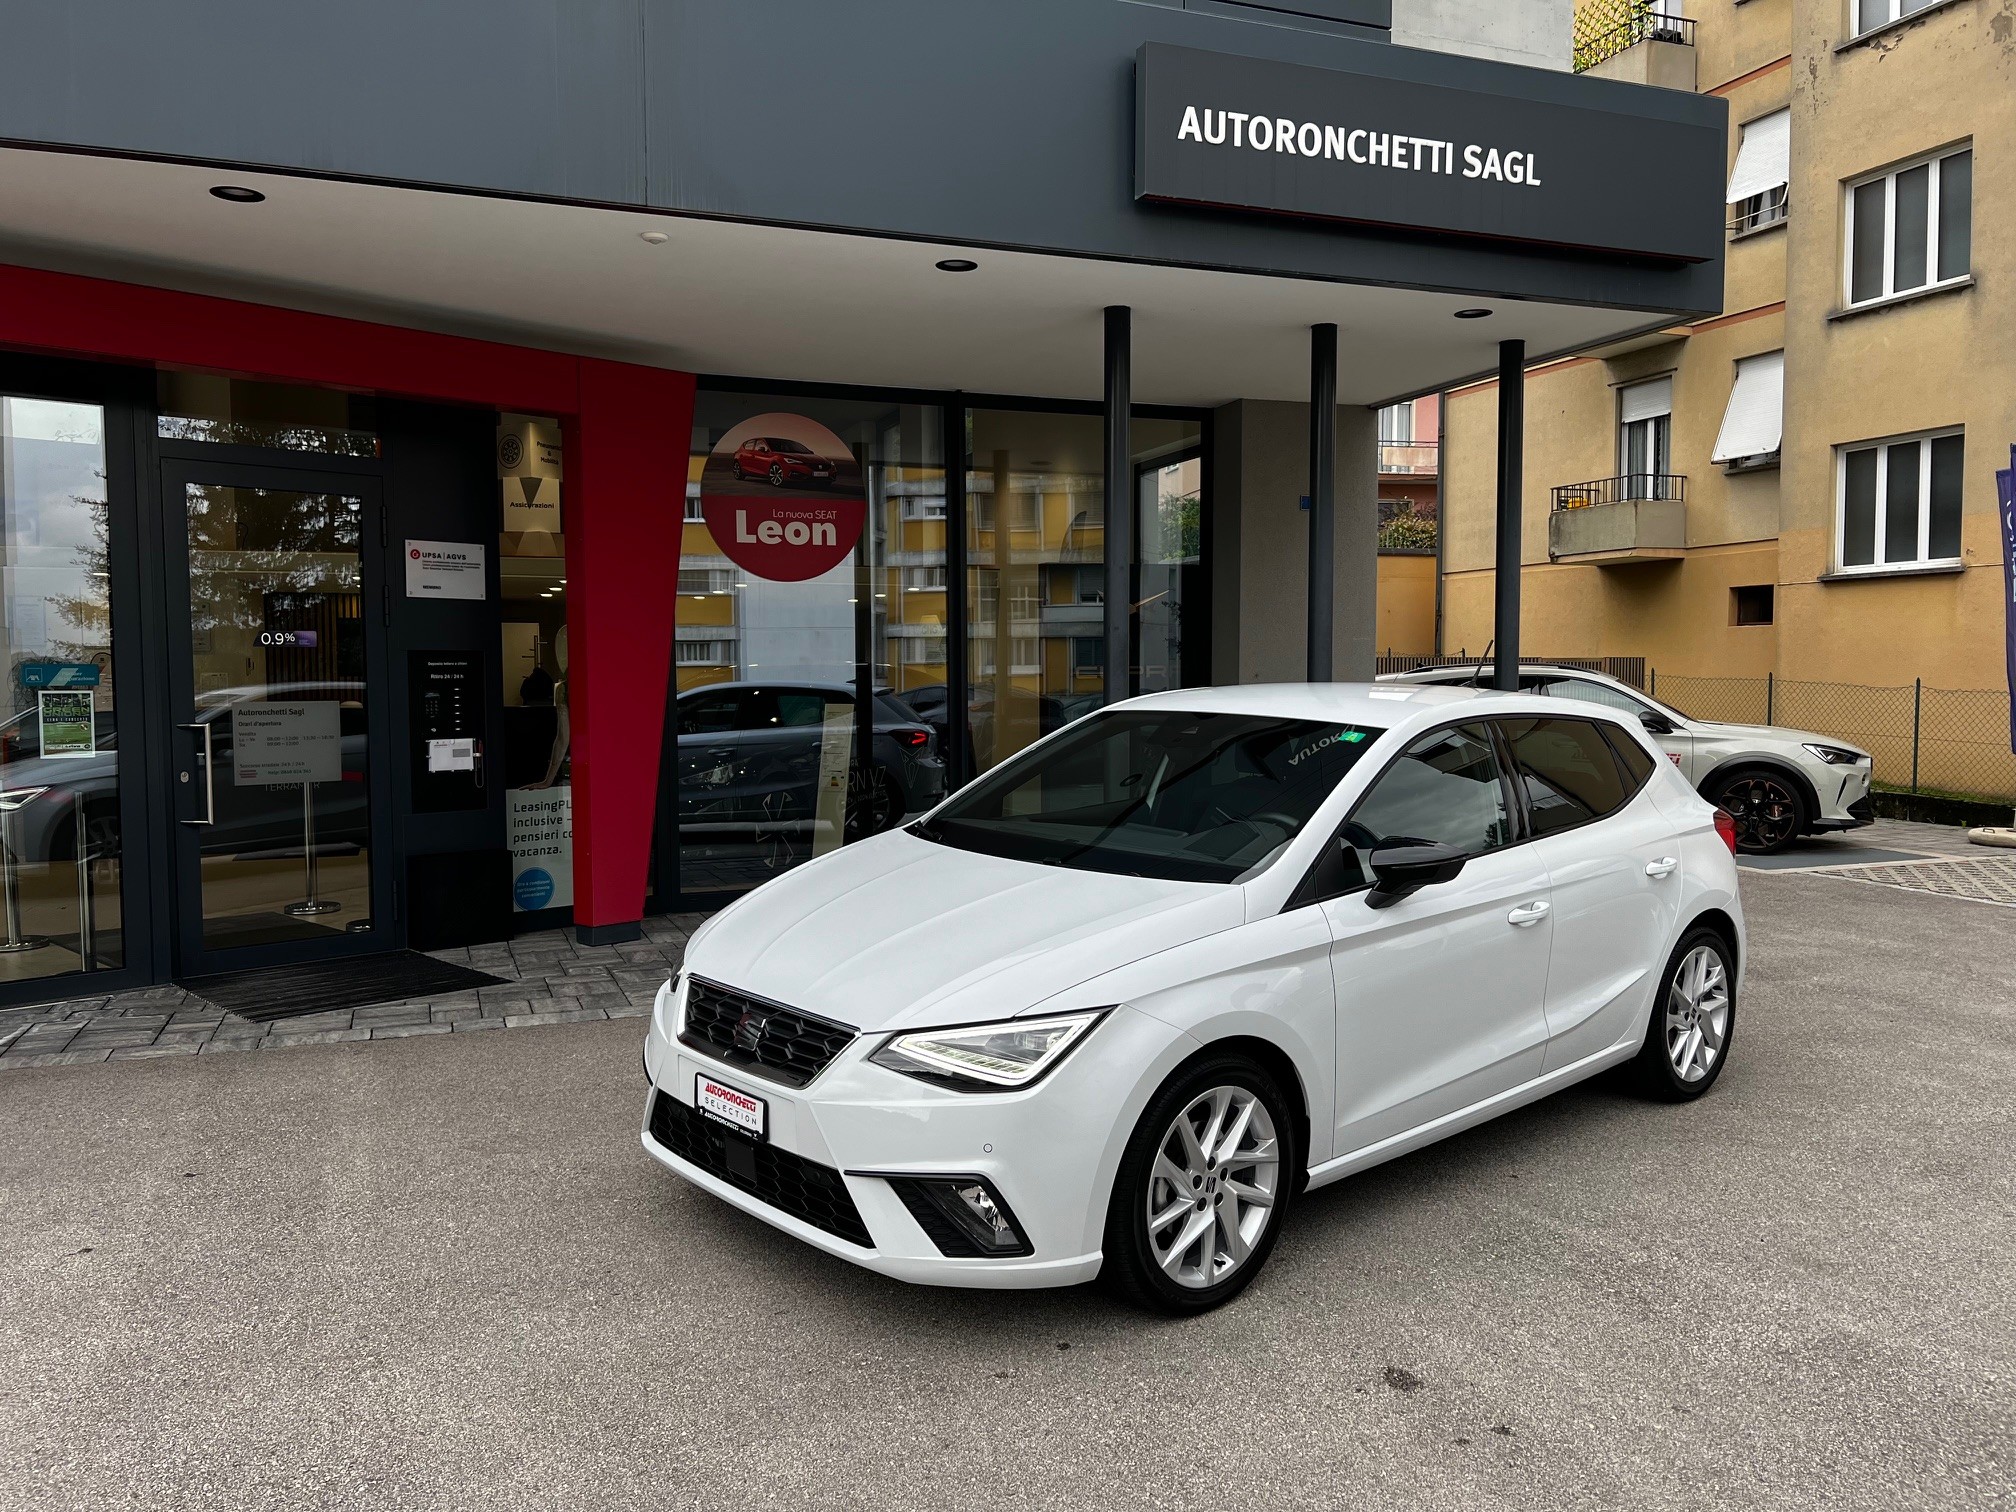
x=471, y=468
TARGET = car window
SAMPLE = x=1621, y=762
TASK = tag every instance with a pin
x=1444, y=789
x=1593, y=692
x=1636, y=762
x=1176, y=794
x=708, y=713
x=796, y=710
x=894, y=709
x=1567, y=769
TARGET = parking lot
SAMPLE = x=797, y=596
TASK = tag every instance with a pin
x=438, y=1272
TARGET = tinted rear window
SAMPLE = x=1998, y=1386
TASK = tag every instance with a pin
x=1567, y=769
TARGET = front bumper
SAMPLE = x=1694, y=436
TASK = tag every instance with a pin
x=1844, y=797
x=1049, y=1151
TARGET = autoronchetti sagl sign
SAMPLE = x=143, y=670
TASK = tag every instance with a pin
x=1325, y=143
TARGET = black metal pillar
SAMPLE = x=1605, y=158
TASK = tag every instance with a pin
x=1119, y=504
x=1322, y=501
x=1511, y=487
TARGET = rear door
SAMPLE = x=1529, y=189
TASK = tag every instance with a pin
x=1440, y=996
x=1614, y=865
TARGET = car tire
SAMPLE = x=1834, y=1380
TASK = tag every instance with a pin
x=1143, y=1264
x=1693, y=1021
x=1769, y=809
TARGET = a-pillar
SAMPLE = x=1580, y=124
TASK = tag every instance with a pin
x=625, y=449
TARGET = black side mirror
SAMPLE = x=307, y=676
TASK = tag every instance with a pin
x=1655, y=724
x=1399, y=870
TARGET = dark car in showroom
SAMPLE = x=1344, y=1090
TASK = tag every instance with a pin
x=749, y=763
x=781, y=461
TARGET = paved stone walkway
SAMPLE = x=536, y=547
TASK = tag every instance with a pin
x=1989, y=877
x=552, y=980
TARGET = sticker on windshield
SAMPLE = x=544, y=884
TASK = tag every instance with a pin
x=1323, y=743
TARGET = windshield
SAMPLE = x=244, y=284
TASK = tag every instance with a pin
x=1174, y=794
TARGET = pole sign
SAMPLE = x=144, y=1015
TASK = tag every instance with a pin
x=1336, y=144
x=2005, y=498
x=783, y=498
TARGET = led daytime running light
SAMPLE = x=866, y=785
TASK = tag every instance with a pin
x=1008, y=1054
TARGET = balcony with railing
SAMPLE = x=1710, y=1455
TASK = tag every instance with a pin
x=1621, y=521
x=1409, y=458
x=1637, y=41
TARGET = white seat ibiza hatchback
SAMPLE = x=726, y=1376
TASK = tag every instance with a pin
x=1115, y=1006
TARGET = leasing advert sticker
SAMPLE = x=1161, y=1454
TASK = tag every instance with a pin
x=737, y=1109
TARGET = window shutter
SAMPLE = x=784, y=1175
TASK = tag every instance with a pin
x=1645, y=401
x=1764, y=158
x=1754, y=424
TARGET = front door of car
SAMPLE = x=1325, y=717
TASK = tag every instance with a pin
x=1440, y=995
x=1610, y=854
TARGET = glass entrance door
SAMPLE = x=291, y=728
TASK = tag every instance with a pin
x=276, y=685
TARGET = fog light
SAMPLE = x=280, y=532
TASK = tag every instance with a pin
x=963, y=1215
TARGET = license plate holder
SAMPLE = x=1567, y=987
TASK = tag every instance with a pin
x=745, y=1113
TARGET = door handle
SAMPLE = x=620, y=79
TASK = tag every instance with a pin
x=209, y=778
x=1665, y=866
x=1527, y=914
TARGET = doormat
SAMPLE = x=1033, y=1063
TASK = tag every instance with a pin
x=279, y=992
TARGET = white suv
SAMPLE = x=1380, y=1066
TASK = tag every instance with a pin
x=1778, y=783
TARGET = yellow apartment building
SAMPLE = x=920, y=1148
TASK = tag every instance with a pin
x=1804, y=485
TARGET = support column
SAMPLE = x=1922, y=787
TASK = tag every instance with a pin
x=1119, y=504
x=1322, y=502
x=1511, y=490
x=624, y=495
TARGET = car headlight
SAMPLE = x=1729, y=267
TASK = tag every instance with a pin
x=14, y=798
x=1832, y=755
x=987, y=1057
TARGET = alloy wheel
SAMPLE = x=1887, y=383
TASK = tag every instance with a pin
x=1765, y=810
x=776, y=474
x=1212, y=1187
x=1697, y=1013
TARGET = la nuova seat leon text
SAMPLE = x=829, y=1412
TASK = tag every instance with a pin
x=1113, y=1008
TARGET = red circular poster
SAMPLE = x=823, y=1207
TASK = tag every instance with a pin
x=783, y=498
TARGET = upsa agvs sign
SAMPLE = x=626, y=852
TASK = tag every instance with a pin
x=783, y=498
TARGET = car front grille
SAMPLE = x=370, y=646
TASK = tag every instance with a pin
x=768, y=1040
x=814, y=1193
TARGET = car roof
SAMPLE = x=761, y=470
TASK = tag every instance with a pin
x=1378, y=704
x=1471, y=669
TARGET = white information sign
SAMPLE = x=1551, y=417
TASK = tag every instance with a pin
x=444, y=569
x=451, y=755
x=531, y=503
x=285, y=744
x=836, y=749
x=542, y=848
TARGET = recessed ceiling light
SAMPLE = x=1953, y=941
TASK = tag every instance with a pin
x=957, y=265
x=238, y=194
x=655, y=238
x=1475, y=314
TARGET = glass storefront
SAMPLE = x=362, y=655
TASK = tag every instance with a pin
x=826, y=686
x=59, y=761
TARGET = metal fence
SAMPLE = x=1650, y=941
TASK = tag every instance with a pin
x=1949, y=742
x=1604, y=28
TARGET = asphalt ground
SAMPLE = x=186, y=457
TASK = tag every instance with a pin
x=438, y=1273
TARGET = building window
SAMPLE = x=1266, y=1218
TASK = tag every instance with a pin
x=705, y=580
x=1900, y=502
x=699, y=653
x=1753, y=427
x=1396, y=423
x=1088, y=653
x=695, y=515
x=1645, y=438
x=1757, y=184
x=1752, y=604
x=1910, y=228
x=1870, y=14
x=924, y=579
x=923, y=506
x=1025, y=657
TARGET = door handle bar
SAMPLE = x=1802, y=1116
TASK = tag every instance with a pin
x=209, y=778
x=1665, y=866
x=1526, y=915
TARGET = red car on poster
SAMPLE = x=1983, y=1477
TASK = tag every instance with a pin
x=781, y=461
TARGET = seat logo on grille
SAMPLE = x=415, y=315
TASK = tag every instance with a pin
x=749, y=1029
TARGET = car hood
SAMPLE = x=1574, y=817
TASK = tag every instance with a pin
x=1774, y=733
x=898, y=932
